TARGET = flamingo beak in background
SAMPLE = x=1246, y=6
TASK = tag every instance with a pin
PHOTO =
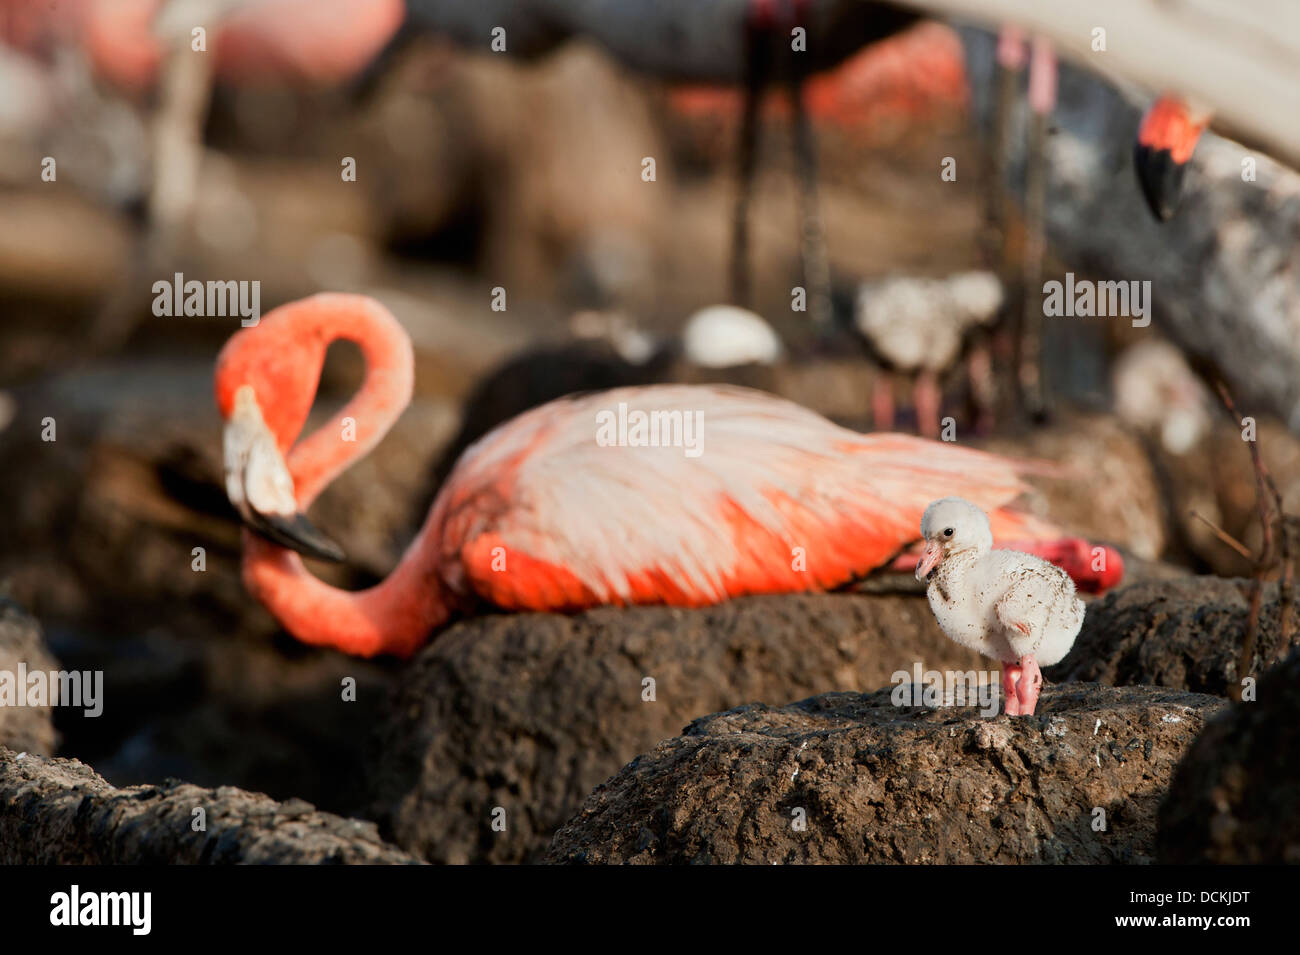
x=1166, y=140
x=259, y=484
x=930, y=558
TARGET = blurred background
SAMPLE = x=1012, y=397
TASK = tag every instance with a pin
x=556, y=215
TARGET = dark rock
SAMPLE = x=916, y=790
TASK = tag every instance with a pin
x=58, y=811
x=885, y=784
x=101, y=527
x=1183, y=633
x=529, y=712
x=134, y=483
x=271, y=719
x=24, y=728
x=1235, y=797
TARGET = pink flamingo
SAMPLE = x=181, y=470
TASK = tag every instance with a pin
x=541, y=514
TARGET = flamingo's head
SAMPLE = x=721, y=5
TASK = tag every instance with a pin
x=1166, y=140
x=951, y=525
x=265, y=382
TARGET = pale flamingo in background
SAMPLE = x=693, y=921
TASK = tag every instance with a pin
x=538, y=515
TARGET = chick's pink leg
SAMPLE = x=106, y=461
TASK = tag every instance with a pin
x=1011, y=675
x=1031, y=681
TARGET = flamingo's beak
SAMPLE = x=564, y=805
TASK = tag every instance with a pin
x=259, y=484
x=930, y=558
x=1166, y=140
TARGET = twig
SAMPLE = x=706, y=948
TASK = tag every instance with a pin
x=1268, y=502
x=1224, y=536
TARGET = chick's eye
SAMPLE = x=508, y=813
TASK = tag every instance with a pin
x=947, y=532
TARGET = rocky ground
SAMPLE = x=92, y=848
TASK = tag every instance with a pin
x=1182, y=633
x=851, y=778
x=25, y=728
x=515, y=719
x=1233, y=800
x=530, y=712
x=60, y=812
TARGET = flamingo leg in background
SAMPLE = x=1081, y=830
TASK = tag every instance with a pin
x=185, y=89
x=758, y=68
x=882, y=401
x=927, y=397
x=765, y=32
x=1011, y=59
x=983, y=383
x=1042, y=99
x=1010, y=63
x=814, y=262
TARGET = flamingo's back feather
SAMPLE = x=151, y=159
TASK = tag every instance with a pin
x=539, y=515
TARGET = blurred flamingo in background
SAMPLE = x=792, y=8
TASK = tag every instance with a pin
x=139, y=46
x=311, y=41
x=541, y=515
x=752, y=44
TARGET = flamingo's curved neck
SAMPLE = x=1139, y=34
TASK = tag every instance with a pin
x=396, y=615
x=353, y=432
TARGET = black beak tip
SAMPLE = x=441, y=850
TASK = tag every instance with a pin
x=297, y=533
x=1161, y=179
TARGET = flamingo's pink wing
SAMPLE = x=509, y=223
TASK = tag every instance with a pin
x=541, y=515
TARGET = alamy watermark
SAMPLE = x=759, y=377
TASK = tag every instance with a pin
x=133, y=910
x=940, y=688
x=83, y=688
x=651, y=429
x=176, y=298
x=1084, y=298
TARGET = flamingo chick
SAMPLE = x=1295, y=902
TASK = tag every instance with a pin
x=1014, y=607
x=918, y=325
x=727, y=336
x=672, y=494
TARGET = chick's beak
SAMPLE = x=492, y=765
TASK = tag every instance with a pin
x=930, y=558
x=260, y=487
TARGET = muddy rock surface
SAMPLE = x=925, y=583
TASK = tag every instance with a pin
x=1235, y=798
x=850, y=778
x=29, y=728
x=120, y=540
x=59, y=811
x=1183, y=633
x=530, y=712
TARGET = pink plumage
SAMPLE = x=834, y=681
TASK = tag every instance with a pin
x=566, y=507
